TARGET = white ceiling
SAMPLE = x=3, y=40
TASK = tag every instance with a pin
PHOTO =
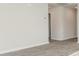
x=63, y=4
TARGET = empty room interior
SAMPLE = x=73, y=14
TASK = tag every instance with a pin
x=39, y=29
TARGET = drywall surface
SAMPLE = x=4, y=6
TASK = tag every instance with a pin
x=63, y=23
x=56, y=23
x=78, y=22
x=23, y=25
x=70, y=25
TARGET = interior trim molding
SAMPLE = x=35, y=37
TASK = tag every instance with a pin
x=62, y=39
x=17, y=49
x=75, y=54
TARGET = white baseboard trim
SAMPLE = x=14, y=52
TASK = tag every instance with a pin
x=70, y=37
x=75, y=54
x=58, y=39
x=17, y=49
x=61, y=39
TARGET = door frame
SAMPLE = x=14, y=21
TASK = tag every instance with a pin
x=49, y=26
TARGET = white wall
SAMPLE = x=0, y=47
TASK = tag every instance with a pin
x=63, y=23
x=23, y=25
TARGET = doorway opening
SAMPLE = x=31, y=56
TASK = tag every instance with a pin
x=62, y=21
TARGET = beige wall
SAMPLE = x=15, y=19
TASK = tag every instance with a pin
x=23, y=26
x=63, y=23
x=78, y=22
x=56, y=23
x=70, y=25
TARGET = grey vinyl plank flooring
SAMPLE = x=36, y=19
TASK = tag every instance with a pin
x=54, y=48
